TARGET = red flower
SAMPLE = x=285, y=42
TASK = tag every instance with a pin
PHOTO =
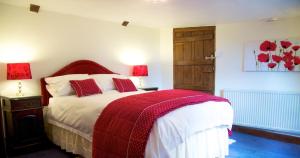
x=276, y=58
x=289, y=65
x=288, y=57
x=285, y=44
x=272, y=65
x=297, y=60
x=290, y=53
x=268, y=46
x=295, y=48
x=264, y=58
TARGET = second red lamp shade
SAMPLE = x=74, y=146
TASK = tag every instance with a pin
x=140, y=71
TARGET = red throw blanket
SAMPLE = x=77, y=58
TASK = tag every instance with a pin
x=123, y=128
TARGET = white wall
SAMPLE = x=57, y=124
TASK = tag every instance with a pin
x=166, y=57
x=230, y=40
x=51, y=40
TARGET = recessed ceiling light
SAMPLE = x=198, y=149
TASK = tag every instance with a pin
x=272, y=19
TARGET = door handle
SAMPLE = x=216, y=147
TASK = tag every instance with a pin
x=211, y=57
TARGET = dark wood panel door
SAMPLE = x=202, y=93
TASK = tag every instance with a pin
x=193, y=58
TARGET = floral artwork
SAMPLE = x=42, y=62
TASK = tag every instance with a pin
x=272, y=55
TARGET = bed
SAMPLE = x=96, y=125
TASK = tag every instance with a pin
x=191, y=131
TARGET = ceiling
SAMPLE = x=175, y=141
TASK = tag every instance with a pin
x=170, y=13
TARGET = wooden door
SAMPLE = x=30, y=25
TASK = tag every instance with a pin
x=193, y=58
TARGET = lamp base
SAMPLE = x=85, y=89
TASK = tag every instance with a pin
x=19, y=93
x=141, y=84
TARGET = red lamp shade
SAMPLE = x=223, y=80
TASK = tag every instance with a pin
x=18, y=71
x=140, y=70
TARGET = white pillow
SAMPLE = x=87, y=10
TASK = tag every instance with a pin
x=60, y=85
x=64, y=78
x=105, y=82
x=57, y=90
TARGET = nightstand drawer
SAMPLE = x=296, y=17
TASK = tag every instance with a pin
x=25, y=104
x=21, y=104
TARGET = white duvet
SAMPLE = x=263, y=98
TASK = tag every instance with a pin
x=80, y=114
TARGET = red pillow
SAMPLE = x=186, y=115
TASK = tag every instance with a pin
x=124, y=85
x=85, y=87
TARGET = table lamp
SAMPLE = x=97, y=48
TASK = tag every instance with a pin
x=18, y=71
x=140, y=71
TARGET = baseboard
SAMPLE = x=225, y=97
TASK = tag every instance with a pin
x=267, y=134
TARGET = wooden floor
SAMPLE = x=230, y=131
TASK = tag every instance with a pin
x=246, y=146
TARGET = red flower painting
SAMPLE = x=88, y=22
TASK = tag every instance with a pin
x=275, y=57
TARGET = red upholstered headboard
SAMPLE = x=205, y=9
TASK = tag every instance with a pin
x=77, y=67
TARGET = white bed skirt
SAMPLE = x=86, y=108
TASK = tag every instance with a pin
x=212, y=143
x=69, y=141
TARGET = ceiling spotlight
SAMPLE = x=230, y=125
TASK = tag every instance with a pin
x=34, y=8
x=125, y=23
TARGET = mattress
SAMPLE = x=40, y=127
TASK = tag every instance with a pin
x=78, y=115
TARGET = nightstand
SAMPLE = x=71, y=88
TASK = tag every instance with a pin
x=149, y=88
x=23, y=123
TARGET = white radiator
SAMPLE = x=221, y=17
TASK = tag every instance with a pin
x=266, y=109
